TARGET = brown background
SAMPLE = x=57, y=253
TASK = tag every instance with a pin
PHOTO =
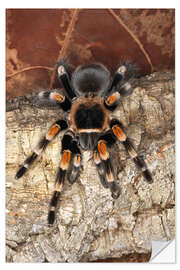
x=38, y=38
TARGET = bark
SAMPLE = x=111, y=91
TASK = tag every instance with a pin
x=90, y=225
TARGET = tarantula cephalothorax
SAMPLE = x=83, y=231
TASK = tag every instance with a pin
x=90, y=97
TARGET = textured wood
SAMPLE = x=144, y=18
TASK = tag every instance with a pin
x=90, y=225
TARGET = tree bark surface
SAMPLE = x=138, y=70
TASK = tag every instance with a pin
x=90, y=225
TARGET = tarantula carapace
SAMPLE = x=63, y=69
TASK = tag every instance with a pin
x=90, y=97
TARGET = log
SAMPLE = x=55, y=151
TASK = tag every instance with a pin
x=90, y=225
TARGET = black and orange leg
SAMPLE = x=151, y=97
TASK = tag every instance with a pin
x=104, y=164
x=52, y=99
x=76, y=162
x=121, y=76
x=50, y=135
x=64, y=165
x=100, y=168
x=70, y=154
x=70, y=143
x=112, y=101
x=61, y=174
x=64, y=79
x=119, y=132
x=109, y=139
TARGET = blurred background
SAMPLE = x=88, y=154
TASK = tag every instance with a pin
x=38, y=38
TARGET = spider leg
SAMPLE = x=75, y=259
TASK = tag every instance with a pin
x=60, y=177
x=100, y=168
x=69, y=142
x=111, y=102
x=104, y=165
x=120, y=86
x=64, y=165
x=76, y=162
x=118, y=77
x=119, y=132
x=126, y=89
x=64, y=79
x=110, y=139
x=50, y=135
x=52, y=99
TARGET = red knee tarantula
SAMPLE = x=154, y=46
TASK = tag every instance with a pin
x=90, y=97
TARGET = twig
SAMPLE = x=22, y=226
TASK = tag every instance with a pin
x=63, y=51
x=27, y=69
x=134, y=37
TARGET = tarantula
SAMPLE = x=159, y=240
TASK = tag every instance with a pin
x=90, y=97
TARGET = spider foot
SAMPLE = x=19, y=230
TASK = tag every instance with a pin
x=147, y=176
x=115, y=190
